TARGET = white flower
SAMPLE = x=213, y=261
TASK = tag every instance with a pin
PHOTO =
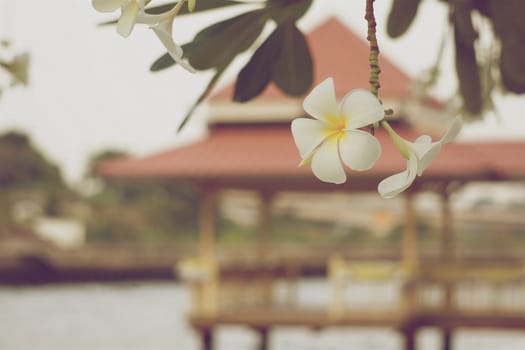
x=419, y=155
x=332, y=136
x=163, y=30
x=129, y=9
x=133, y=11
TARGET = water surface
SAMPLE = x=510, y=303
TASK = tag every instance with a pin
x=151, y=316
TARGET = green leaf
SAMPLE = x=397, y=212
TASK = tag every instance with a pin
x=401, y=16
x=292, y=71
x=166, y=61
x=462, y=19
x=468, y=74
x=257, y=73
x=512, y=66
x=510, y=28
x=202, y=6
x=163, y=62
x=211, y=84
x=285, y=10
x=218, y=44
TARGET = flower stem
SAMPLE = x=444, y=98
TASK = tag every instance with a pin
x=399, y=143
x=374, y=48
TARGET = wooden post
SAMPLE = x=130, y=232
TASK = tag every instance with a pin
x=410, y=249
x=206, y=338
x=410, y=338
x=263, y=338
x=263, y=227
x=207, y=224
x=446, y=250
x=447, y=234
x=210, y=287
x=446, y=339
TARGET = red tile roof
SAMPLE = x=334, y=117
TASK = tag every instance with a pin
x=265, y=156
x=349, y=67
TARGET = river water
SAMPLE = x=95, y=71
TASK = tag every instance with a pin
x=151, y=316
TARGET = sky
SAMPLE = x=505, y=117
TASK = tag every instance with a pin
x=91, y=90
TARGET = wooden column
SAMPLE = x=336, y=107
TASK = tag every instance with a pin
x=208, y=303
x=446, y=339
x=263, y=227
x=207, y=224
x=447, y=234
x=206, y=338
x=446, y=255
x=410, y=339
x=410, y=249
x=263, y=338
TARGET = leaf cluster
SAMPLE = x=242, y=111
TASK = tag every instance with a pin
x=22, y=165
x=283, y=57
x=476, y=76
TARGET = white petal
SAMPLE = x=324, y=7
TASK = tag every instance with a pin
x=422, y=145
x=397, y=183
x=424, y=139
x=151, y=19
x=307, y=134
x=107, y=5
x=163, y=31
x=326, y=164
x=321, y=101
x=128, y=18
x=452, y=131
x=361, y=108
x=359, y=150
x=426, y=159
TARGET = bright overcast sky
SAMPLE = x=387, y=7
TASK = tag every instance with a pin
x=90, y=89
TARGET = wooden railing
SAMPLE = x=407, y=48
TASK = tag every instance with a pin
x=443, y=287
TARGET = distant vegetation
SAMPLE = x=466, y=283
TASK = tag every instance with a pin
x=154, y=213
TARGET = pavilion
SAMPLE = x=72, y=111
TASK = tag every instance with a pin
x=250, y=146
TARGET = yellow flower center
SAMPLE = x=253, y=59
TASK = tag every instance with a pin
x=335, y=127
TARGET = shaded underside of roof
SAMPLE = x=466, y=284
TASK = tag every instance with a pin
x=265, y=156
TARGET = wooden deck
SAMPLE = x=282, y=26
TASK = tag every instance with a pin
x=447, y=296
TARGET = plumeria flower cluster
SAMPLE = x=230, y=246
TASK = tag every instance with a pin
x=134, y=11
x=333, y=137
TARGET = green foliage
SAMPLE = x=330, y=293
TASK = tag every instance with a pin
x=401, y=16
x=22, y=165
x=202, y=6
x=216, y=46
x=466, y=64
x=140, y=211
x=506, y=19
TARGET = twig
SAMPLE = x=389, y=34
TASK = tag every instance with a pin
x=374, y=48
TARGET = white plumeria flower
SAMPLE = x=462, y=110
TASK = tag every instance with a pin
x=133, y=11
x=130, y=10
x=419, y=155
x=163, y=30
x=332, y=136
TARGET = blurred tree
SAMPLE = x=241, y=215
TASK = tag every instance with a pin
x=22, y=165
x=140, y=211
x=25, y=170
